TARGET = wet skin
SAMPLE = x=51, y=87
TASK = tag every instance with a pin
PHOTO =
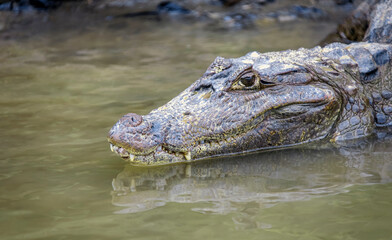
x=257, y=102
x=271, y=100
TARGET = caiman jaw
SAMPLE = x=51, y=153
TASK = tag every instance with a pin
x=165, y=154
x=151, y=158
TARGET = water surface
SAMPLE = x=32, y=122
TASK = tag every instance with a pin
x=63, y=84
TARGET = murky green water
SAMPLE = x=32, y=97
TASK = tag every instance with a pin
x=62, y=88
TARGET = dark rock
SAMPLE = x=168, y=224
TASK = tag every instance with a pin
x=287, y=17
x=307, y=12
x=238, y=20
x=263, y=2
x=23, y=5
x=6, y=6
x=230, y=2
x=45, y=4
x=343, y=2
x=272, y=15
x=16, y=6
x=172, y=8
x=139, y=14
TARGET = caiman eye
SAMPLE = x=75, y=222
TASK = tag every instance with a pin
x=247, y=81
x=250, y=81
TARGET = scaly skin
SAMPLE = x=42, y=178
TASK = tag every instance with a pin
x=270, y=100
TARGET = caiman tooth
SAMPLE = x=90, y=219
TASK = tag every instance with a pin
x=187, y=156
x=131, y=157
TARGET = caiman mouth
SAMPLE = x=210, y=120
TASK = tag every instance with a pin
x=160, y=152
x=166, y=154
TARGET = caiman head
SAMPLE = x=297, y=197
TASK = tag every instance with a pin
x=255, y=102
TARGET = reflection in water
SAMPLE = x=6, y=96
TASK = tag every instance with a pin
x=254, y=181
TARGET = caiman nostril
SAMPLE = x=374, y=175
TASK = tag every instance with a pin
x=132, y=120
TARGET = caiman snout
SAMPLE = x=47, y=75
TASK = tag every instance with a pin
x=136, y=134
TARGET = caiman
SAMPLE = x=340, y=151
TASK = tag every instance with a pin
x=265, y=101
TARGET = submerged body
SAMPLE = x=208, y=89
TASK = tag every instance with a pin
x=270, y=100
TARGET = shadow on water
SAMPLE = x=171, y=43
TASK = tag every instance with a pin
x=262, y=179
